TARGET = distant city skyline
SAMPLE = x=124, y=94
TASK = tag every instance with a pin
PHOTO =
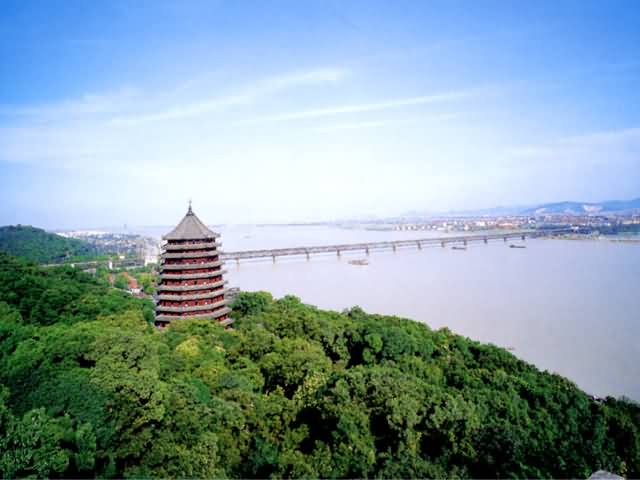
x=118, y=112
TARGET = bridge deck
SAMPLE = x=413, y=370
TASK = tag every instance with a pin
x=366, y=247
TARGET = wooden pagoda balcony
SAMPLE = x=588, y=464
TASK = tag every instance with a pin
x=191, y=266
x=199, y=296
x=203, y=316
x=190, y=246
x=190, y=288
x=192, y=276
x=191, y=308
x=202, y=253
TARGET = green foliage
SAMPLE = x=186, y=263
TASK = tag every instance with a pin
x=43, y=247
x=61, y=294
x=147, y=282
x=251, y=303
x=39, y=445
x=292, y=391
x=121, y=281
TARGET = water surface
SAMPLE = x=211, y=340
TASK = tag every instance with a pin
x=571, y=307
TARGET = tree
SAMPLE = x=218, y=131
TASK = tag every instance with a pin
x=88, y=387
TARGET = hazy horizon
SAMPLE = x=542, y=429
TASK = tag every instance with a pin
x=363, y=217
x=118, y=112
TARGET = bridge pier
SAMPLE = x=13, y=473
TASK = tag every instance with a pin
x=393, y=244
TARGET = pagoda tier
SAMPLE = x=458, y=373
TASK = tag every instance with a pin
x=189, y=288
x=195, y=246
x=213, y=274
x=191, y=276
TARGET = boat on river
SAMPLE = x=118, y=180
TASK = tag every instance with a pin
x=361, y=261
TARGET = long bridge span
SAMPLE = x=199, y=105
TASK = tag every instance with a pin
x=461, y=240
x=367, y=247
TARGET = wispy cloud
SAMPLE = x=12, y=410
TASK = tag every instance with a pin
x=607, y=141
x=367, y=107
x=603, y=138
x=245, y=96
x=406, y=120
x=349, y=126
x=609, y=138
x=88, y=104
x=121, y=125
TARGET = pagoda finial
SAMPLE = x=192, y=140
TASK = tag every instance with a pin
x=189, y=212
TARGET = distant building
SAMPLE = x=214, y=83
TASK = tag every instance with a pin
x=150, y=259
x=191, y=277
x=132, y=284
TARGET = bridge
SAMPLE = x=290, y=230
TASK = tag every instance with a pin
x=386, y=245
x=367, y=247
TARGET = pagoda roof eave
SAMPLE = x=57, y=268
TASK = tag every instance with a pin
x=192, y=276
x=186, y=288
x=199, y=296
x=192, y=308
x=201, y=316
x=190, y=246
x=191, y=228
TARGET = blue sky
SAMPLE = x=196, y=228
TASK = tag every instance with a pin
x=119, y=111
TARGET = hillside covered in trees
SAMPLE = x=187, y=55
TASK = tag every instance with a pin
x=89, y=388
x=43, y=247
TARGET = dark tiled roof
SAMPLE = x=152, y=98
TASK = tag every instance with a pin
x=191, y=228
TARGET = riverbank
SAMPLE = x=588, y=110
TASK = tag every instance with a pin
x=598, y=238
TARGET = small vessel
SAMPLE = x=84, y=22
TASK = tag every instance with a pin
x=361, y=261
x=517, y=246
x=456, y=247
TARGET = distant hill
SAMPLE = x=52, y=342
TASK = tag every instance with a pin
x=39, y=246
x=571, y=207
x=567, y=207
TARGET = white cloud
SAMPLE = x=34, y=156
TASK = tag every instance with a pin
x=128, y=125
x=406, y=120
x=349, y=126
x=245, y=96
x=367, y=107
x=88, y=104
x=605, y=142
x=610, y=137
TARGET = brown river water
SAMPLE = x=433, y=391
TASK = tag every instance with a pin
x=567, y=306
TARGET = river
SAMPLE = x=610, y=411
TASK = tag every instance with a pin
x=567, y=306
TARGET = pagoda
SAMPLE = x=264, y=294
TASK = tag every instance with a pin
x=191, y=284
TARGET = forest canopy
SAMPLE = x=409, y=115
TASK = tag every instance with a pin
x=88, y=387
x=40, y=246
